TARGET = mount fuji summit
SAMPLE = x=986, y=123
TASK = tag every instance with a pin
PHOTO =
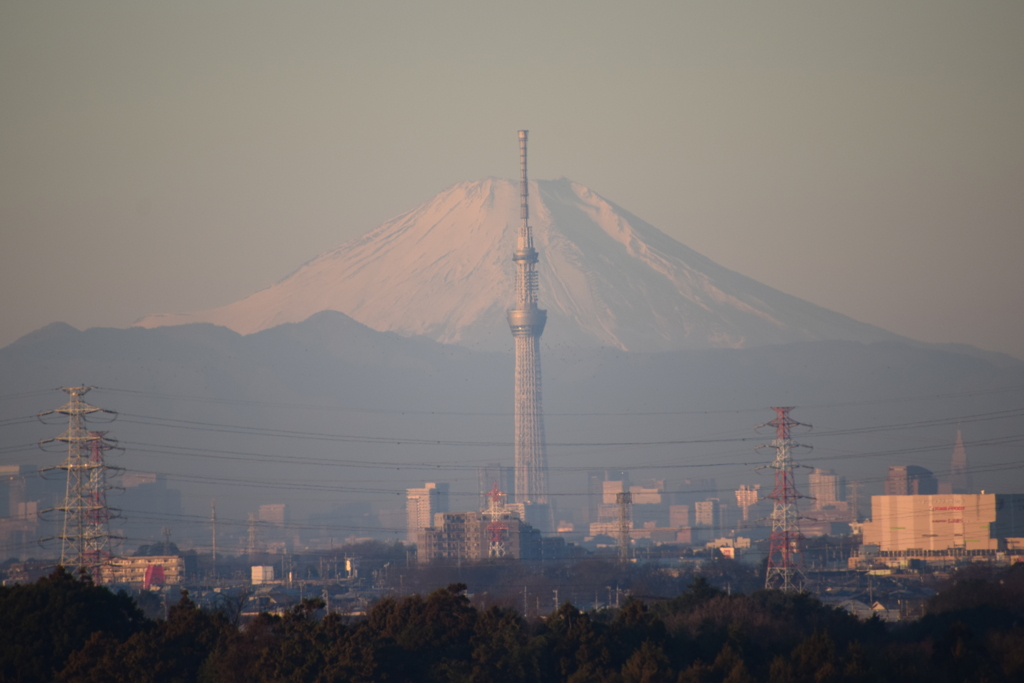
x=607, y=278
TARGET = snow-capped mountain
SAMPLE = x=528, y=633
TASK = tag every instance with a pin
x=606, y=277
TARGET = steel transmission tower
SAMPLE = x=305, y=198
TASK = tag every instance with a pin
x=85, y=533
x=527, y=323
x=497, y=527
x=785, y=565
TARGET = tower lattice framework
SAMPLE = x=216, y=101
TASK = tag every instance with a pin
x=497, y=527
x=785, y=561
x=85, y=532
x=527, y=323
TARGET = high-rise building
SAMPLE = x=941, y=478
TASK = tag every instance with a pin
x=595, y=489
x=689, y=491
x=610, y=489
x=526, y=321
x=421, y=504
x=679, y=515
x=707, y=513
x=910, y=480
x=959, y=475
x=649, y=495
x=18, y=515
x=826, y=488
x=277, y=533
x=649, y=504
x=828, y=504
x=146, y=503
x=746, y=498
x=12, y=489
x=275, y=514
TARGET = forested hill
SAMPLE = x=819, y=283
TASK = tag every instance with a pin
x=63, y=629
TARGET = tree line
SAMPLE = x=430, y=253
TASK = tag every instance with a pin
x=64, y=628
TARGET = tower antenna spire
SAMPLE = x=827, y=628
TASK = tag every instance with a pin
x=525, y=235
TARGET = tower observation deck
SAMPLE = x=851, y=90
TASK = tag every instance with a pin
x=527, y=323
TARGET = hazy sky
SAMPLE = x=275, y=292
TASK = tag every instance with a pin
x=867, y=157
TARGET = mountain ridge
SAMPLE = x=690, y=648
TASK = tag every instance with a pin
x=607, y=278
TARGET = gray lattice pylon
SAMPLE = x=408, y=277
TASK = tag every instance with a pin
x=85, y=534
x=785, y=565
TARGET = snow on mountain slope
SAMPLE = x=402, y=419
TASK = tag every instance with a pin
x=607, y=278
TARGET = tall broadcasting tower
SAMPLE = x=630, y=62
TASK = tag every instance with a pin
x=527, y=323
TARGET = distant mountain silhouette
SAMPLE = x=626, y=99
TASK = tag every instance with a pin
x=606, y=277
x=418, y=401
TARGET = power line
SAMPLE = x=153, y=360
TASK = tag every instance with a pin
x=361, y=409
x=196, y=425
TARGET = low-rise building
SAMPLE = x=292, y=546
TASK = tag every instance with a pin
x=139, y=571
x=941, y=528
x=475, y=536
x=495, y=533
x=262, y=574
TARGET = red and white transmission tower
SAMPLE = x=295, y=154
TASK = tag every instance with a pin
x=85, y=534
x=497, y=526
x=785, y=562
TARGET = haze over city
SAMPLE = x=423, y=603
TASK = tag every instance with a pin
x=735, y=177
x=278, y=282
